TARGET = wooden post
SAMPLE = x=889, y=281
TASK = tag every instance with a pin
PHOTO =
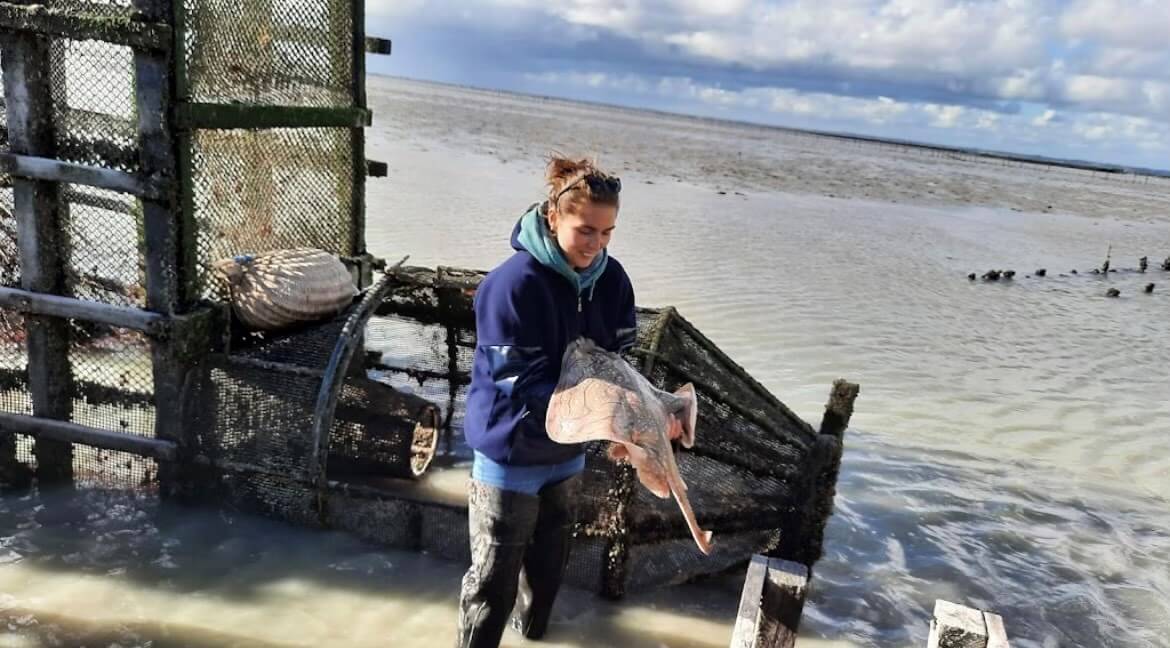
x=957, y=626
x=181, y=372
x=839, y=409
x=771, y=604
x=29, y=104
x=358, y=137
x=804, y=541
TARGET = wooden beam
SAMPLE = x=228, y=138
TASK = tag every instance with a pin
x=34, y=303
x=358, y=170
x=39, y=19
x=191, y=116
x=375, y=169
x=771, y=604
x=376, y=45
x=31, y=167
x=66, y=432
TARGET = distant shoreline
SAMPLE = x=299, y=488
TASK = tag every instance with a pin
x=1006, y=156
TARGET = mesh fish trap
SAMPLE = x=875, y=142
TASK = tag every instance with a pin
x=287, y=408
x=750, y=475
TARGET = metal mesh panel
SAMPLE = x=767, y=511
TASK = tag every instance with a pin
x=101, y=468
x=9, y=251
x=93, y=103
x=113, y=378
x=14, y=394
x=104, y=255
x=257, y=191
x=675, y=561
x=263, y=419
x=271, y=52
x=14, y=397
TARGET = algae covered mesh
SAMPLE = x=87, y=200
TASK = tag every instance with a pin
x=752, y=475
x=287, y=53
x=255, y=191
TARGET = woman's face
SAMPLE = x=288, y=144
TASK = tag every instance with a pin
x=583, y=231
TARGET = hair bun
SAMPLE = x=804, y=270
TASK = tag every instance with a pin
x=561, y=170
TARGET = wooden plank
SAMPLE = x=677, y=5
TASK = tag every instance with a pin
x=231, y=116
x=771, y=604
x=375, y=169
x=66, y=432
x=26, y=301
x=376, y=45
x=956, y=626
x=29, y=100
x=39, y=19
x=996, y=634
x=31, y=167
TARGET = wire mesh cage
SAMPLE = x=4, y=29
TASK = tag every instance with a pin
x=111, y=94
x=747, y=473
x=287, y=408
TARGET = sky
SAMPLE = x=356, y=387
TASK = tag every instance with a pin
x=1081, y=79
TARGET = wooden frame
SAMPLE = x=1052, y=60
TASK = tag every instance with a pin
x=38, y=19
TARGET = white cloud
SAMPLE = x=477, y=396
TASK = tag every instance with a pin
x=1045, y=118
x=1132, y=24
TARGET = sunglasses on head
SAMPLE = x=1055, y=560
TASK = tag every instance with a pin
x=597, y=184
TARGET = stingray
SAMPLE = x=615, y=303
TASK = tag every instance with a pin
x=601, y=397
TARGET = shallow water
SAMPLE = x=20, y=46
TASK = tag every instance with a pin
x=1009, y=448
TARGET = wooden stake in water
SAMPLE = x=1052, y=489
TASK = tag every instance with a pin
x=771, y=604
x=957, y=626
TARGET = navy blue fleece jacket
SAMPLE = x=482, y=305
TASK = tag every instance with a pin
x=526, y=313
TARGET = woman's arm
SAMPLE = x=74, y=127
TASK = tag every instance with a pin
x=512, y=328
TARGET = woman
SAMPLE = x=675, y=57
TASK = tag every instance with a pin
x=559, y=284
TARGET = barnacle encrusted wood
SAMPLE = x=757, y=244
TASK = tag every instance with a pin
x=281, y=288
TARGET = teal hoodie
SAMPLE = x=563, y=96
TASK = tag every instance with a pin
x=535, y=237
